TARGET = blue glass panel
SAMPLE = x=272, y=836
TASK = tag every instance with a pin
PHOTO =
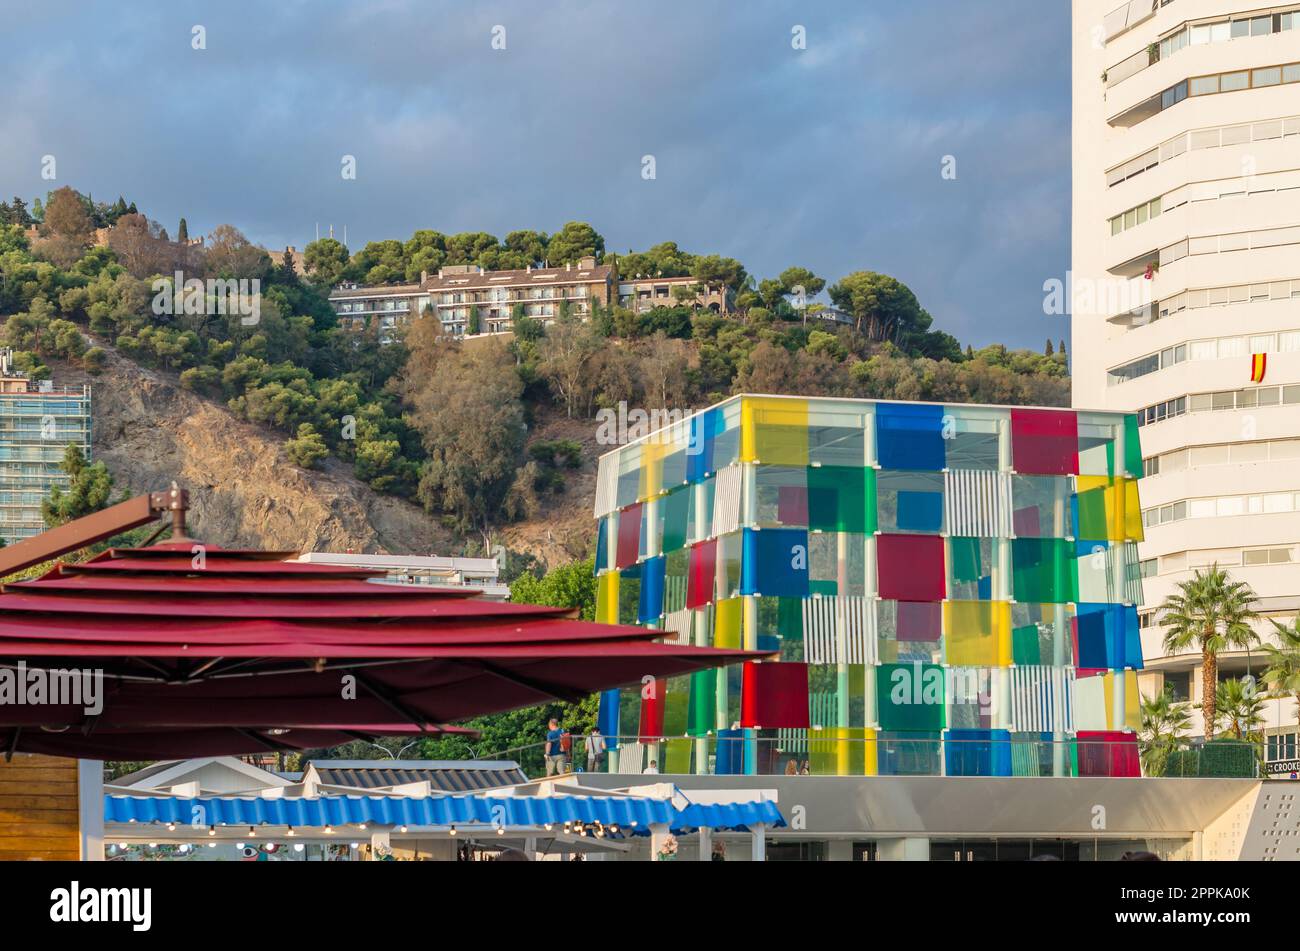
x=1132, y=654
x=775, y=563
x=977, y=753
x=909, y=436
x=1094, y=636
x=1109, y=636
x=705, y=428
x=920, y=511
x=730, y=758
x=607, y=717
x=651, y=605
x=602, y=553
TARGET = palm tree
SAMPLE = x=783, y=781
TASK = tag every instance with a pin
x=1164, y=722
x=1283, y=672
x=1240, y=705
x=1212, y=613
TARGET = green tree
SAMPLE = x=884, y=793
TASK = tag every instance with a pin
x=1210, y=613
x=182, y=232
x=66, y=215
x=574, y=241
x=471, y=420
x=1282, y=675
x=326, y=261
x=568, y=586
x=307, y=448
x=1239, y=705
x=1165, y=723
x=883, y=307
x=90, y=489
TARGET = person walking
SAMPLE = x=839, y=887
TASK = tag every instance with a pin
x=595, y=749
x=554, y=755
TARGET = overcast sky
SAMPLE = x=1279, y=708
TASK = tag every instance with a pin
x=828, y=157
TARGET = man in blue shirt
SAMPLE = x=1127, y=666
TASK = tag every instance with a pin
x=554, y=755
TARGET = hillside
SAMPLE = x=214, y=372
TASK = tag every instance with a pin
x=149, y=431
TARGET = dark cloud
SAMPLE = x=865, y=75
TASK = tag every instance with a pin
x=828, y=157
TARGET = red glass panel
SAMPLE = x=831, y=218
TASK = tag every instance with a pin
x=910, y=567
x=699, y=574
x=1045, y=441
x=774, y=696
x=629, y=536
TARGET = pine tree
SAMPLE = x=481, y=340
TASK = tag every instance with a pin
x=1048, y=350
x=1061, y=348
x=183, y=233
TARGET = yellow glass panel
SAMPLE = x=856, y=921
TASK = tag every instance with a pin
x=727, y=616
x=977, y=633
x=651, y=479
x=1132, y=702
x=1132, y=512
x=607, y=598
x=842, y=751
x=774, y=431
x=1108, y=681
x=1123, y=507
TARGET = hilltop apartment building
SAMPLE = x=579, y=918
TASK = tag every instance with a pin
x=1186, y=273
x=456, y=291
x=37, y=422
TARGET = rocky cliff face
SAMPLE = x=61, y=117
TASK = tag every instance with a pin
x=243, y=490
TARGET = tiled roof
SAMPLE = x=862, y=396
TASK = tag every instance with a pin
x=454, y=776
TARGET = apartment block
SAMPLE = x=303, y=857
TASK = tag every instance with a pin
x=38, y=419
x=456, y=292
x=1186, y=272
x=644, y=294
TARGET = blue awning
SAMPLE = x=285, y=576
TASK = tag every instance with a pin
x=508, y=811
x=738, y=816
x=632, y=813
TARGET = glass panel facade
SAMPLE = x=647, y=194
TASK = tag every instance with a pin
x=908, y=567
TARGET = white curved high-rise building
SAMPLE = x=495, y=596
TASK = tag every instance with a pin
x=1186, y=290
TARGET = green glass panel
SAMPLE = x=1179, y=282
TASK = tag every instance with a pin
x=1042, y=570
x=676, y=508
x=677, y=756
x=1132, y=447
x=1092, y=514
x=842, y=499
x=629, y=711
x=629, y=596
x=703, y=711
x=965, y=559
x=789, y=618
x=1027, y=755
x=1025, y=646
x=676, y=565
x=677, y=697
x=826, y=588
x=910, y=696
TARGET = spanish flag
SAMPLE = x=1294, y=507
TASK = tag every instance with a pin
x=1258, y=366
